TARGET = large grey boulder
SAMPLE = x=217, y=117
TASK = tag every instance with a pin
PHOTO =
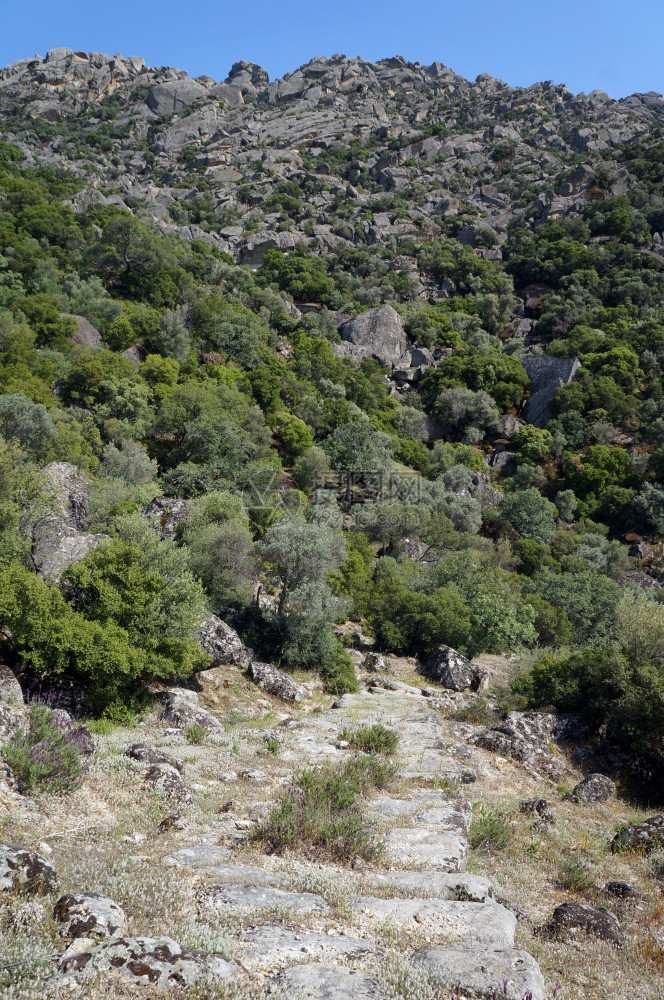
x=158, y=962
x=376, y=333
x=453, y=670
x=166, y=98
x=276, y=682
x=182, y=709
x=88, y=914
x=26, y=871
x=645, y=836
x=478, y=971
x=59, y=538
x=85, y=335
x=222, y=643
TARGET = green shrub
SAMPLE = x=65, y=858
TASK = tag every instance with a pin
x=478, y=712
x=47, y=755
x=195, y=733
x=573, y=876
x=489, y=831
x=371, y=739
x=272, y=745
x=320, y=813
x=339, y=673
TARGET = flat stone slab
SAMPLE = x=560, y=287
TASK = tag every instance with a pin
x=487, y=923
x=443, y=851
x=242, y=899
x=242, y=874
x=479, y=971
x=198, y=856
x=464, y=888
x=321, y=982
x=270, y=946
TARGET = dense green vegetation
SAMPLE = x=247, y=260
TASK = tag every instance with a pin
x=240, y=407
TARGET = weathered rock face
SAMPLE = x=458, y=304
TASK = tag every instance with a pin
x=182, y=709
x=222, y=643
x=26, y=871
x=276, y=682
x=546, y=375
x=158, y=962
x=151, y=755
x=525, y=737
x=168, y=512
x=577, y=918
x=10, y=689
x=169, y=781
x=541, y=809
x=644, y=836
x=374, y=663
x=376, y=333
x=320, y=982
x=60, y=539
x=85, y=335
x=89, y=915
x=593, y=789
x=174, y=95
x=452, y=670
x=10, y=721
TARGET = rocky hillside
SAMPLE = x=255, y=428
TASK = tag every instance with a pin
x=331, y=535
x=452, y=156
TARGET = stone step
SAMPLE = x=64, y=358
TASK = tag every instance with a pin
x=197, y=856
x=271, y=946
x=239, y=900
x=322, y=982
x=444, y=851
x=479, y=971
x=462, y=887
x=487, y=923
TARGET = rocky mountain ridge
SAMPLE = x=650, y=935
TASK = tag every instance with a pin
x=472, y=156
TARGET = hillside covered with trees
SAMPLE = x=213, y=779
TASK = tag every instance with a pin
x=371, y=343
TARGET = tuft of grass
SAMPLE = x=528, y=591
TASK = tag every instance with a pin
x=320, y=813
x=478, y=712
x=48, y=755
x=196, y=733
x=272, y=745
x=573, y=876
x=489, y=831
x=101, y=727
x=371, y=739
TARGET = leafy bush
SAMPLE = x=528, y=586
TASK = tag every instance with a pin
x=489, y=830
x=48, y=755
x=371, y=739
x=195, y=733
x=573, y=876
x=320, y=814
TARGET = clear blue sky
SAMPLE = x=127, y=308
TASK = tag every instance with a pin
x=612, y=45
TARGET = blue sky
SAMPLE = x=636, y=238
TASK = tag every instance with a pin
x=611, y=45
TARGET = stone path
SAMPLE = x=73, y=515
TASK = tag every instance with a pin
x=332, y=943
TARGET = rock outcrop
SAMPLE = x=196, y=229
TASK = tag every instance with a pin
x=59, y=537
x=453, y=670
